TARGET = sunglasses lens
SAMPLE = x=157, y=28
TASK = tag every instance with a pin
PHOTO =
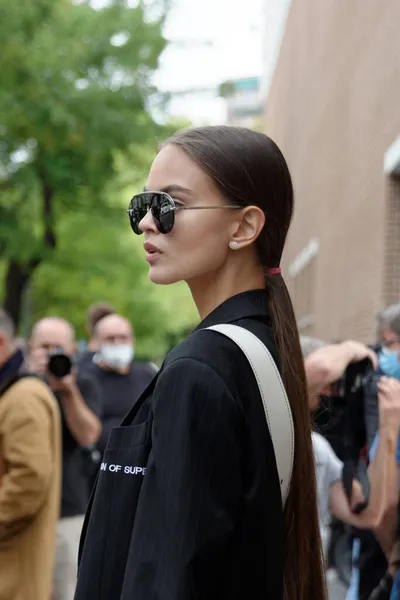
x=138, y=208
x=162, y=210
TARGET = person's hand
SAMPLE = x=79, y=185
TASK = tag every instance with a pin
x=327, y=364
x=389, y=404
x=38, y=360
x=358, y=352
x=65, y=385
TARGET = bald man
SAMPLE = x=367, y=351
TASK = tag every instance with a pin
x=121, y=379
x=80, y=404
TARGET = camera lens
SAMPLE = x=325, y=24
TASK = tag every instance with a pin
x=60, y=365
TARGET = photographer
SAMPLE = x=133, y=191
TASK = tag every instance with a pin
x=388, y=533
x=323, y=366
x=51, y=352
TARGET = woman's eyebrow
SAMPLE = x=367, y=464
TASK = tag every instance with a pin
x=170, y=189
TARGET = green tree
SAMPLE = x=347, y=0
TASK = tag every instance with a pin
x=75, y=84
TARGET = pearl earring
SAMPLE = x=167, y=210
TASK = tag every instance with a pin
x=233, y=245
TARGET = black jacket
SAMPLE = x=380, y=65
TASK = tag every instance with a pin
x=187, y=505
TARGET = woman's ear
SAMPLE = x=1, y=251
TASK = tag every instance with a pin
x=248, y=226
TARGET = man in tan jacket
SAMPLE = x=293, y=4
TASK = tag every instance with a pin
x=30, y=476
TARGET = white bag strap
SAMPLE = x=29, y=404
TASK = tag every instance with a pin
x=274, y=399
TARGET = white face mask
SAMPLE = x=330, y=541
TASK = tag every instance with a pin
x=116, y=356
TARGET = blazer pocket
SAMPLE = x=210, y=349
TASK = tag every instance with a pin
x=127, y=437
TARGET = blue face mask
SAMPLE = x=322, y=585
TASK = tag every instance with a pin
x=389, y=363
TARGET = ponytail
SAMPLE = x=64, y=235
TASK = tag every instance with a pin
x=304, y=573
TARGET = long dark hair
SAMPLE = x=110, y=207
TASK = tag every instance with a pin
x=249, y=169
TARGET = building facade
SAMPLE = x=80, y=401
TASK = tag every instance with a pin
x=243, y=102
x=332, y=104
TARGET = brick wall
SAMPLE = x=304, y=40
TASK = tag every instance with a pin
x=334, y=109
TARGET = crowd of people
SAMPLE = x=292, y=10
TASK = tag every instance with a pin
x=53, y=431
x=374, y=533
x=192, y=481
x=52, y=444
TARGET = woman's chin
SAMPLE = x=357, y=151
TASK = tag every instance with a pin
x=162, y=276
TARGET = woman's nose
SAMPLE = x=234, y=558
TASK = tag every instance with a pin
x=148, y=223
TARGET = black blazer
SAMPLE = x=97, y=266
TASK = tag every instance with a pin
x=187, y=505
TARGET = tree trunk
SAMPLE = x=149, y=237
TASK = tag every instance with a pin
x=17, y=277
x=19, y=273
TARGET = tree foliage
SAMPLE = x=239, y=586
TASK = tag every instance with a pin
x=74, y=88
x=75, y=131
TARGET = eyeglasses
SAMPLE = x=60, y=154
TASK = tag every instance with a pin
x=163, y=209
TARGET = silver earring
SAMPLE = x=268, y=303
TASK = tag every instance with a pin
x=233, y=245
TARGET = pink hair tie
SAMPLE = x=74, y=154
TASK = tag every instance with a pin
x=274, y=271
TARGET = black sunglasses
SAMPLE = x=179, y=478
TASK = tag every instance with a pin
x=163, y=209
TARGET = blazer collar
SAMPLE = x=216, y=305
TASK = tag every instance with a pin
x=247, y=304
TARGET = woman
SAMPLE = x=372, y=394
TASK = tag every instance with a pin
x=205, y=521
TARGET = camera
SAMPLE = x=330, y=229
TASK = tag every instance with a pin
x=354, y=379
x=348, y=418
x=60, y=364
x=359, y=393
x=349, y=400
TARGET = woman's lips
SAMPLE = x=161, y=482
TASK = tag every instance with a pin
x=152, y=252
